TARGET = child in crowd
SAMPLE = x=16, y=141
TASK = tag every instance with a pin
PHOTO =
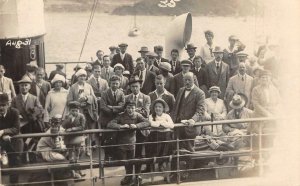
x=159, y=119
x=129, y=119
x=74, y=122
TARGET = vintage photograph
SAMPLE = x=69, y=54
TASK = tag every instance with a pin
x=156, y=92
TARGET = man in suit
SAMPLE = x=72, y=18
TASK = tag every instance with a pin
x=10, y=126
x=150, y=59
x=145, y=75
x=177, y=81
x=98, y=84
x=230, y=54
x=240, y=83
x=200, y=73
x=111, y=104
x=189, y=109
x=191, y=51
x=40, y=87
x=29, y=107
x=6, y=85
x=124, y=58
x=107, y=71
x=143, y=51
x=143, y=103
x=99, y=60
x=175, y=63
x=218, y=72
x=165, y=71
x=159, y=51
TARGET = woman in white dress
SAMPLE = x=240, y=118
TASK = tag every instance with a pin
x=56, y=99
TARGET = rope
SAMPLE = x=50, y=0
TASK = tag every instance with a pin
x=88, y=27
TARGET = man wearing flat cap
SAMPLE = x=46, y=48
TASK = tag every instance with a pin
x=10, y=126
x=159, y=51
x=217, y=72
x=177, y=81
x=59, y=68
x=124, y=58
x=230, y=53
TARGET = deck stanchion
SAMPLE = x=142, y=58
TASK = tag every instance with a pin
x=178, y=161
x=91, y=160
x=260, y=150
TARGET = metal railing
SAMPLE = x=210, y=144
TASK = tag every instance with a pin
x=100, y=163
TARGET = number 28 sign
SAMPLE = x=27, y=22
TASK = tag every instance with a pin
x=167, y=3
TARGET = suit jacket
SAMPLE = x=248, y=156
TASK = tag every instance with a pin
x=143, y=103
x=161, y=60
x=127, y=62
x=236, y=85
x=194, y=107
x=175, y=69
x=107, y=114
x=107, y=76
x=215, y=78
x=154, y=69
x=31, y=110
x=202, y=79
x=44, y=89
x=148, y=84
x=98, y=90
x=177, y=83
x=167, y=97
x=77, y=125
x=91, y=103
x=8, y=88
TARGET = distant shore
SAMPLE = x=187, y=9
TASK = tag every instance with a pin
x=151, y=7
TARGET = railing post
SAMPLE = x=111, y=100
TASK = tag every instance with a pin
x=101, y=167
x=260, y=150
x=178, y=160
x=91, y=160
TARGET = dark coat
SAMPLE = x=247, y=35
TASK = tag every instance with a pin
x=215, y=78
x=44, y=89
x=167, y=97
x=175, y=69
x=10, y=124
x=202, y=80
x=148, y=84
x=127, y=62
x=107, y=114
x=103, y=86
x=177, y=83
x=161, y=60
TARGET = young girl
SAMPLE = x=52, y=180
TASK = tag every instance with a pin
x=163, y=122
x=74, y=122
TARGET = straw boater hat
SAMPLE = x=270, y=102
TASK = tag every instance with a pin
x=151, y=54
x=123, y=44
x=25, y=79
x=217, y=49
x=241, y=54
x=143, y=49
x=119, y=65
x=4, y=98
x=237, y=102
x=134, y=79
x=190, y=46
x=159, y=100
x=186, y=62
x=58, y=77
x=126, y=73
x=214, y=88
x=165, y=66
x=80, y=73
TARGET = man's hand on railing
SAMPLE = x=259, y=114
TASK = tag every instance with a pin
x=133, y=126
x=126, y=126
x=189, y=122
x=6, y=138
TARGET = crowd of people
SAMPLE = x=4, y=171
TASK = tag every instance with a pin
x=116, y=92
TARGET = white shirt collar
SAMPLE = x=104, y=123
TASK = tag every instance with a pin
x=191, y=88
x=25, y=96
x=164, y=92
x=242, y=76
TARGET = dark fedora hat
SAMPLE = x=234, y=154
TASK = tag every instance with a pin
x=134, y=79
x=143, y=49
x=4, y=98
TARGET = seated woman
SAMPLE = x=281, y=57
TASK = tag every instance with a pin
x=215, y=109
x=237, y=130
x=159, y=119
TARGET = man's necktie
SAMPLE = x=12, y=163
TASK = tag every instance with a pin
x=115, y=96
x=218, y=66
x=107, y=75
x=98, y=84
x=211, y=53
x=242, y=78
x=134, y=99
